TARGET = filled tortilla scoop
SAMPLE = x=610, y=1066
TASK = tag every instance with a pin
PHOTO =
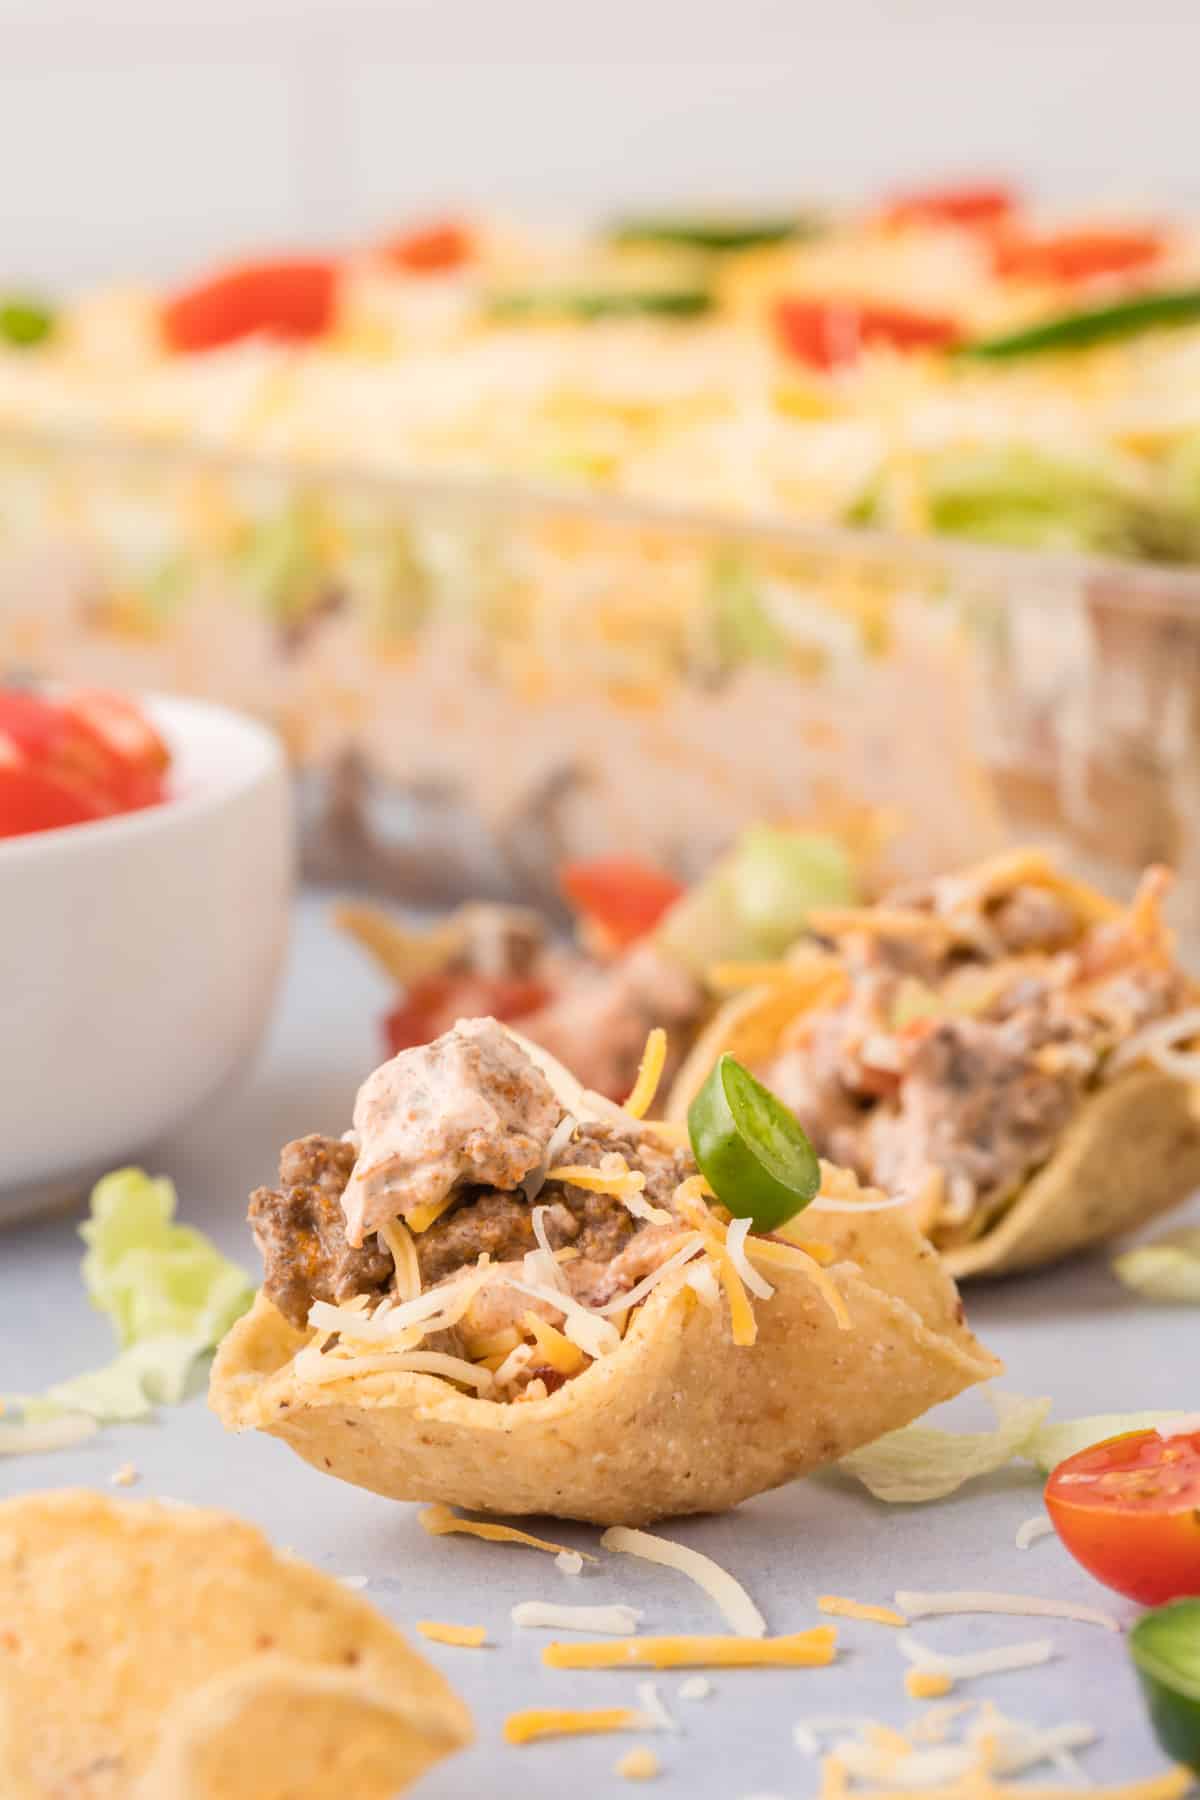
x=510, y=1294
x=152, y=1652
x=1005, y=1047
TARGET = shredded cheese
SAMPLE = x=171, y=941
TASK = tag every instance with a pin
x=691, y=1247
x=422, y=1217
x=590, y=1330
x=570, y=1562
x=638, y=1764
x=654, y=1058
x=463, y=1637
x=617, y=1183
x=30, y=1438
x=928, y=1606
x=735, y=1244
x=616, y=1621
x=734, y=1603
x=1158, y=1044
x=1039, y=1526
x=652, y=1706
x=398, y=1238
x=927, y=1684
x=439, y=1521
x=554, y=1349
x=1002, y=1661
x=695, y=1687
x=841, y=1608
x=555, y=1721
x=783, y=1256
x=802, y=1650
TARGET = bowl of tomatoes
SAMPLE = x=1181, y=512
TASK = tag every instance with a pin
x=145, y=880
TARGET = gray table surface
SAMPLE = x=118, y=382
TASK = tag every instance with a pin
x=1072, y=1334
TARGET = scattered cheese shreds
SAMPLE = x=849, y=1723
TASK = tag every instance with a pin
x=32, y=1437
x=1001, y=1661
x=557, y=1351
x=639, y=1764
x=570, y=1562
x=463, y=1637
x=1039, y=1526
x=439, y=1521
x=618, y=1621
x=695, y=1687
x=1031, y=1606
x=354, y=1582
x=927, y=1684
x=978, y=1786
x=422, y=1217
x=840, y=1607
x=654, y=1058
x=559, y=1721
x=802, y=1650
x=734, y=1603
x=125, y=1476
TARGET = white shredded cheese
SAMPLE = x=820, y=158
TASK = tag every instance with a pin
x=696, y=1687
x=703, y=1283
x=541, y=1264
x=354, y=1582
x=967, y=1600
x=570, y=1562
x=1002, y=1661
x=398, y=1238
x=593, y=1334
x=735, y=1244
x=912, y=1769
x=653, y=1708
x=1157, y=1043
x=1039, y=1526
x=807, y=1733
x=557, y=1142
x=734, y=1603
x=614, y=1621
x=29, y=1438
x=689, y=1248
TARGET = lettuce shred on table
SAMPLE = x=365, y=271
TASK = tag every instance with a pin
x=168, y=1293
x=1167, y=1269
x=920, y=1462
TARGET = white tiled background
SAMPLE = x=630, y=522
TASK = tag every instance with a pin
x=151, y=134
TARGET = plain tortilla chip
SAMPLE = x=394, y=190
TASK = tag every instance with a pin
x=154, y=1652
x=1131, y=1153
x=678, y=1419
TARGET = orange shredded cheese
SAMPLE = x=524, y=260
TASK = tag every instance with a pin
x=782, y=1256
x=463, y=1637
x=927, y=1684
x=842, y=1608
x=639, y=1764
x=439, y=1521
x=979, y=1785
x=802, y=1650
x=422, y=1217
x=559, y=1721
x=654, y=1058
x=616, y=1183
x=555, y=1349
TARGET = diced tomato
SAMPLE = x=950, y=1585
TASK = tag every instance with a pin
x=828, y=334
x=1128, y=1509
x=33, y=800
x=1071, y=256
x=979, y=204
x=290, y=297
x=624, y=898
x=432, y=1005
x=121, y=731
x=432, y=249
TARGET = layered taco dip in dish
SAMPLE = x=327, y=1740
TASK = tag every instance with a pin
x=643, y=951
x=503, y=1291
x=1004, y=1047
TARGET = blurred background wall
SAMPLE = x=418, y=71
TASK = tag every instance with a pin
x=137, y=135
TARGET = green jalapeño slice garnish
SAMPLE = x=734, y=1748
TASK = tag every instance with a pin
x=751, y=1150
x=1165, y=1647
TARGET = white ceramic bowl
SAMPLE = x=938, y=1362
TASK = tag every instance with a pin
x=139, y=957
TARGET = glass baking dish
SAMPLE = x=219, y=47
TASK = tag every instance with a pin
x=477, y=681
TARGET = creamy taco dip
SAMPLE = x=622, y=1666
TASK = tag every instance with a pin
x=999, y=1046
x=502, y=1290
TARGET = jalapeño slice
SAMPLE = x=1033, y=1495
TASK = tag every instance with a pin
x=1165, y=1647
x=751, y=1150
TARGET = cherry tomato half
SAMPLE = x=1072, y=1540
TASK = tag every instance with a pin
x=828, y=334
x=290, y=297
x=1128, y=1509
x=978, y=203
x=433, y=1004
x=1073, y=256
x=68, y=758
x=137, y=756
x=623, y=897
x=431, y=249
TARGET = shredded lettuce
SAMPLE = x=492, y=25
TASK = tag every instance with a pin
x=1168, y=1269
x=168, y=1293
x=918, y=1462
x=1052, y=1444
x=754, y=903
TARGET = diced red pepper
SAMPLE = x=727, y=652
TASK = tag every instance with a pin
x=432, y=249
x=978, y=204
x=1071, y=256
x=291, y=298
x=432, y=1005
x=625, y=898
x=827, y=334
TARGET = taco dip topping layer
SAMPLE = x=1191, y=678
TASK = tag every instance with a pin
x=974, y=1017
x=472, y=1227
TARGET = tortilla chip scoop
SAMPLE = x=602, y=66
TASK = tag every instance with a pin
x=153, y=1652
